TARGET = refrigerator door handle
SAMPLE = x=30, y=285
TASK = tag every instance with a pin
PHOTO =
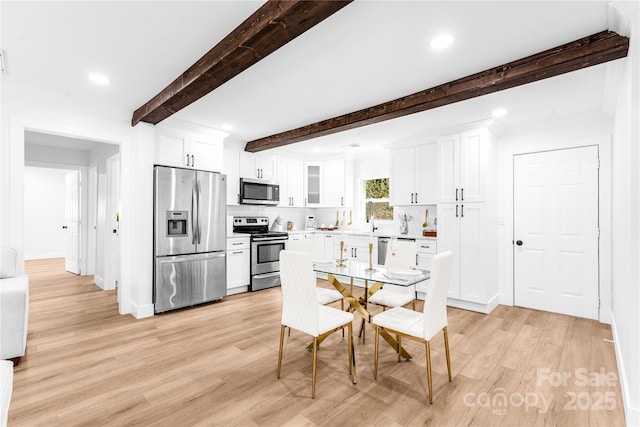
x=193, y=216
x=197, y=188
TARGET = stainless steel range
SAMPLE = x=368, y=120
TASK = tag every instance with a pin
x=265, y=250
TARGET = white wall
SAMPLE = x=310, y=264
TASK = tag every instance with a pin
x=626, y=224
x=44, y=213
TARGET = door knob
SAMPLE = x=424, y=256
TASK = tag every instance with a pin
x=519, y=242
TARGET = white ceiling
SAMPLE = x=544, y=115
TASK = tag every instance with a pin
x=367, y=53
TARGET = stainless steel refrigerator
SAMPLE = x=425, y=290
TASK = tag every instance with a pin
x=189, y=237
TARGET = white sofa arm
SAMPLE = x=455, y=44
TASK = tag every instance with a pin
x=14, y=315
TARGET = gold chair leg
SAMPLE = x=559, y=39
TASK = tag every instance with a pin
x=446, y=347
x=315, y=367
x=399, y=339
x=364, y=329
x=375, y=354
x=289, y=332
x=342, y=308
x=282, y=327
x=353, y=353
x=349, y=348
x=428, y=349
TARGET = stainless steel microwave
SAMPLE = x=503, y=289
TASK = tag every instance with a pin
x=259, y=192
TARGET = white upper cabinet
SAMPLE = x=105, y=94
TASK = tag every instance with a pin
x=333, y=179
x=259, y=166
x=413, y=175
x=231, y=168
x=325, y=184
x=290, y=177
x=313, y=184
x=462, y=166
x=188, y=149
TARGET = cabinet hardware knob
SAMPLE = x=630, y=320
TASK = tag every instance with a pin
x=519, y=242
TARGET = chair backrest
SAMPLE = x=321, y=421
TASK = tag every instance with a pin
x=302, y=245
x=8, y=259
x=400, y=254
x=300, y=307
x=435, y=303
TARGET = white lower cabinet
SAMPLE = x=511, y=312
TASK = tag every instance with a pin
x=357, y=248
x=238, y=265
x=323, y=248
x=425, y=250
x=467, y=231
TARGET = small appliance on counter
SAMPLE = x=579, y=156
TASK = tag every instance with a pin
x=310, y=222
x=277, y=224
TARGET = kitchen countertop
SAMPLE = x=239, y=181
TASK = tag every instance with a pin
x=237, y=235
x=363, y=233
x=347, y=232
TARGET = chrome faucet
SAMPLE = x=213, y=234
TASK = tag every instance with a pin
x=371, y=216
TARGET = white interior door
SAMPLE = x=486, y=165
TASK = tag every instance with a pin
x=72, y=222
x=556, y=231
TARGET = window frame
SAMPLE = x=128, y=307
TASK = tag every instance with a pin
x=364, y=200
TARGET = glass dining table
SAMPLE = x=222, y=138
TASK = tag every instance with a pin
x=376, y=276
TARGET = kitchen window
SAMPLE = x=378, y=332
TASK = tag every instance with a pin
x=376, y=190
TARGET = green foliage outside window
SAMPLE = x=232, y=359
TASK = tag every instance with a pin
x=377, y=191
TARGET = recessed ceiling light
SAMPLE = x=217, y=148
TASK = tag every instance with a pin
x=227, y=127
x=441, y=41
x=499, y=112
x=99, y=79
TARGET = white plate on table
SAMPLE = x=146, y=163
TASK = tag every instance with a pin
x=403, y=273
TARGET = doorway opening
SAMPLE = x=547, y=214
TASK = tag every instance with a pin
x=71, y=204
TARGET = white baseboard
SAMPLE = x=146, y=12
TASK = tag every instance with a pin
x=142, y=311
x=631, y=413
x=43, y=255
x=99, y=281
x=474, y=306
x=237, y=290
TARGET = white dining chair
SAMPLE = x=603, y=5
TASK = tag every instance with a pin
x=325, y=296
x=400, y=254
x=421, y=326
x=302, y=311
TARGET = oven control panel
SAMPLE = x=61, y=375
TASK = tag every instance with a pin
x=250, y=220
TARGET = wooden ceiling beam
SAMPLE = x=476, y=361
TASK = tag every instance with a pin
x=585, y=52
x=272, y=26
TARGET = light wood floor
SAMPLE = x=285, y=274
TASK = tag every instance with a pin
x=215, y=365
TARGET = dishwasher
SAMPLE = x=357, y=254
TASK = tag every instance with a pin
x=383, y=242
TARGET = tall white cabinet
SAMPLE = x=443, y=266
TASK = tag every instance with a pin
x=467, y=216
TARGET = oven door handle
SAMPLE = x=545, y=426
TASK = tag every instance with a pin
x=266, y=275
x=269, y=239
